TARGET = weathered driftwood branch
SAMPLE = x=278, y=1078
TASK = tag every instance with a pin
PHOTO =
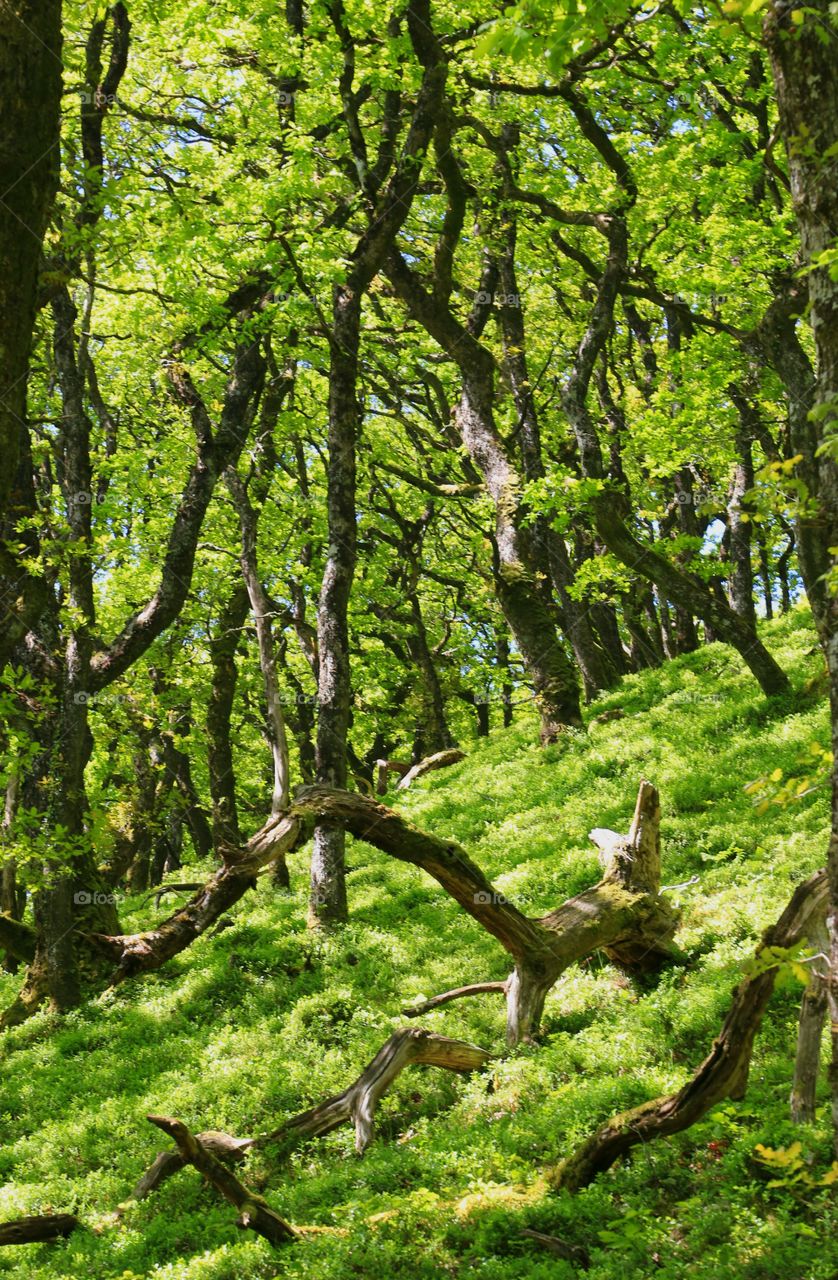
x=358, y=1103
x=722, y=1074
x=457, y=993
x=440, y=760
x=49, y=1226
x=254, y=1211
x=166, y=1163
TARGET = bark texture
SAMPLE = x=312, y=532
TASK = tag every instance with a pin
x=802, y=41
x=624, y=914
x=254, y=1211
x=722, y=1074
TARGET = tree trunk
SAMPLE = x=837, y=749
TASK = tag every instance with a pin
x=741, y=579
x=643, y=651
x=178, y=763
x=30, y=73
x=692, y=596
x=532, y=620
x=392, y=203
x=434, y=731
x=808, y=1056
x=765, y=575
x=801, y=43
x=507, y=689
x=548, y=545
x=9, y=895
x=223, y=647
x=261, y=609
x=327, y=903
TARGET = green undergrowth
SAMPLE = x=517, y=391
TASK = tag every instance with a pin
x=263, y=1019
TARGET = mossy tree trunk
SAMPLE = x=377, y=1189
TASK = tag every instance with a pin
x=802, y=42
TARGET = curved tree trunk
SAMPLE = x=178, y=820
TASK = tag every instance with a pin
x=532, y=620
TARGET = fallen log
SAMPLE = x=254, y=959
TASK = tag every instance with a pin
x=625, y=914
x=37, y=1230
x=570, y=1252
x=358, y=1103
x=722, y=1074
x=166, y=1163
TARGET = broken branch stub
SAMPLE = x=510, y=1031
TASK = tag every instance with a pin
x=441, y=760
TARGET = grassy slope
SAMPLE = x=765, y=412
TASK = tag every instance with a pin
x=262, y=1020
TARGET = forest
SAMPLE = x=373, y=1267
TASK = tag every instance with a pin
x=419, y=639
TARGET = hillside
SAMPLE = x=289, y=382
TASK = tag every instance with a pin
x=264, y=1018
